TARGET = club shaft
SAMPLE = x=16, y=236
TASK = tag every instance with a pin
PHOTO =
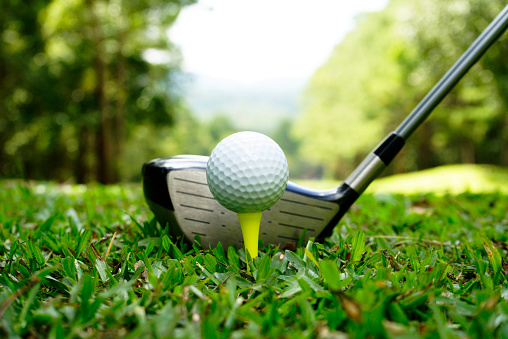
x=496, y=28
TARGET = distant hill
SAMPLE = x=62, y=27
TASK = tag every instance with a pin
x=255, y=106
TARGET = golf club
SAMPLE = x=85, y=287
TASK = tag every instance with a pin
x=176, y=189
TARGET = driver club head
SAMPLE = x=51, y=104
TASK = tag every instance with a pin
x=176, y=190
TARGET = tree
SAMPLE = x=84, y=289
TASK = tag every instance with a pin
x=21, y=96
x=346, y=104
x=96, y=77
x=380, y=71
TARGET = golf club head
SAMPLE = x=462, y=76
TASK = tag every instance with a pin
x=176, y=190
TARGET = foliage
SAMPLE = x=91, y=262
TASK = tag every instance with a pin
x=84, y=261
x=187, y=136
x=76, y=77
x=299, y=167
x=381, y=70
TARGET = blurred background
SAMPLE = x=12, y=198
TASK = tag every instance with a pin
x=92, y=89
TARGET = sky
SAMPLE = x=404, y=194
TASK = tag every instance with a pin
x=252, y=41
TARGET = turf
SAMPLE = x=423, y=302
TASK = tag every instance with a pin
x=448, y=179
x=451, y=179
x=89, y=261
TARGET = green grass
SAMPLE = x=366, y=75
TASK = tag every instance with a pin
x=396, y=266
x=452, y=179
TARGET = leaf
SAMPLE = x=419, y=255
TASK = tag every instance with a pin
x=146, y=242
x=141, y=228
x=218, y=251
x=210, y=263
x=264, y=268
x=74, y=222
x=311, y=284
x=279, y=262
x=14, y=247
x=208, y=274
x=146, y=261
x=28, y=303
x=38, y=255
x=223, y=277
x=231, y=287
x=414, y=301
x=197, y=292
x=51, y=242
x=308, y=315
x=67, y=252
x=166, y=243
x=45, y=227
x=84, y=290
x=294, y=259
x=233, y=259
x=358, y=245
x=79, y=271
x=83, y=242
x=139, y=270
x=150, y=247
x=29, y=249
x=292, y=289
x=311, y=257
x=443, y=330
x=176, y=253
x=188, y=264
x=396, y=313
x=492, y=253
x=289, y=304
x=69, y=268
x=331, y=273
x=101, y=268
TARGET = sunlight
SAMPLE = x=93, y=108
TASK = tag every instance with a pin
x=252, y=41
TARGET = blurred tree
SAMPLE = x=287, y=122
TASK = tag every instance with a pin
x=21, y=96
x=96, y=69
x=380, y=71
x=219, y=127
x=186, y=136
x=298, y=167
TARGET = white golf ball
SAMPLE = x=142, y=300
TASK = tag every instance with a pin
x=247, y=172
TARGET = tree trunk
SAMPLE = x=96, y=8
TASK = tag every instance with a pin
x=106, y=158
x=467, y=151
x=120, y=99
x=503, y=159
x=399, y=164
x=82, y=169
x=104, y=146
x=424, y=157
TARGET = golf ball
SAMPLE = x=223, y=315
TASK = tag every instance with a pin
x=247, y=172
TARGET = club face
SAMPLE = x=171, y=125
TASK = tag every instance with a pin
x=177, y=192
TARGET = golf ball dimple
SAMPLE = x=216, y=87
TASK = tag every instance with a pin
x=247, y=172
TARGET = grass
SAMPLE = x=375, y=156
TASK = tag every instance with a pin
x=89, y=261
x=453, y=179
x=449, y=179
